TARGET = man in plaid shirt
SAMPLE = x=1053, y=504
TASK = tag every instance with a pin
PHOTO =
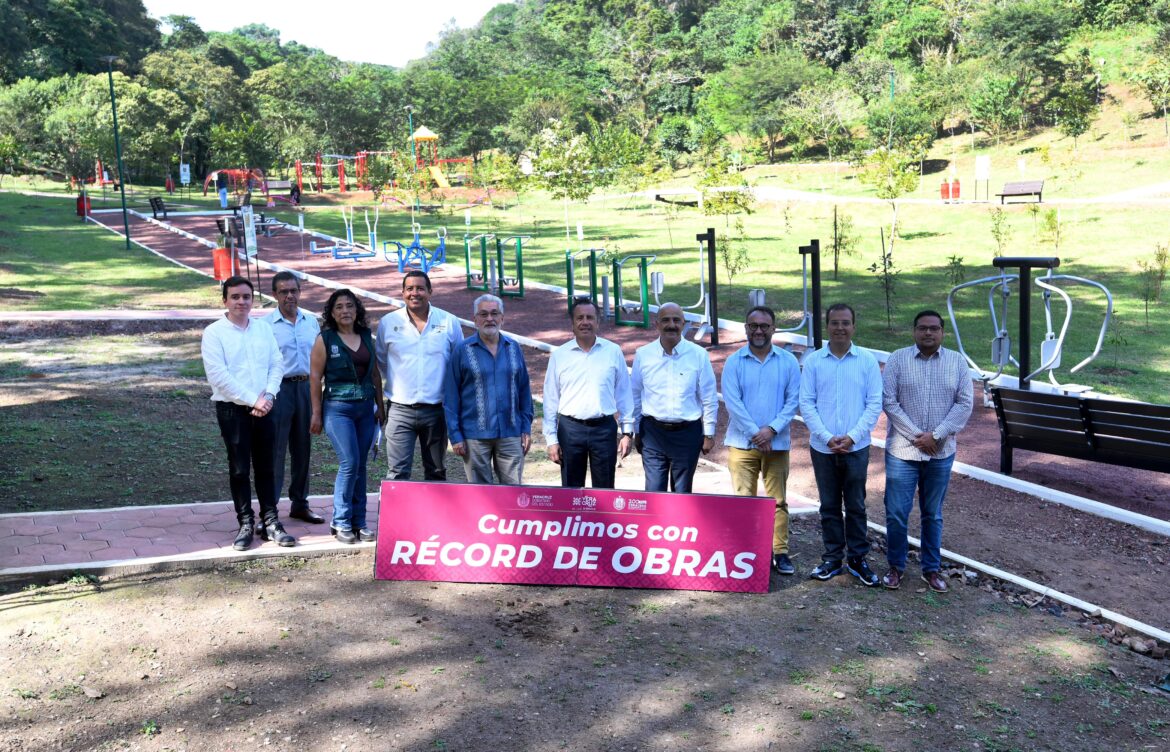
x=927, y=396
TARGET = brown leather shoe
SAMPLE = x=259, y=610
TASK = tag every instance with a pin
x=936, y=581
x=892, y=579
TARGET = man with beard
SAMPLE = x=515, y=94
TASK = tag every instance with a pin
x=488, y=401
x=761, y=388
x=586, y=392
x=675, y=404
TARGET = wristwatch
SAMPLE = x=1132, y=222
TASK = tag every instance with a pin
x=937, y=436
x=627, y=435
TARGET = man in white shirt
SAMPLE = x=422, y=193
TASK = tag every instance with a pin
x=586, y=393
x=295, y=331
x=244, y=367
x=413, y=346
x=675, y=404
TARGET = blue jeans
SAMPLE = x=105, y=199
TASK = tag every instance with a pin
x=350, y=426
x=930, y=478
x=841, y=487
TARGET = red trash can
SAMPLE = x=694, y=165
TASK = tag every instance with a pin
x=955, y=189
x=83, y=205
x=225, y=265
x=944, y=191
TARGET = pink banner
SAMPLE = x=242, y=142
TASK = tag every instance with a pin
x=534, y=535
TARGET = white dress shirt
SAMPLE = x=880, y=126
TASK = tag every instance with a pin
x=242, y=363
x=413, y=363
x=295, y=339
x=675, y=387
x=587, y=384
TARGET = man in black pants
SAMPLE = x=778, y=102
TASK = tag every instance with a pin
x=244, y=367
x=295, y=331
x=675, y=404
x=586, y=393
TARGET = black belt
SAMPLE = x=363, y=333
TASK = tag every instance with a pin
x=416, y=405
x=295, y=378
x=591, y=422
x=670, y=426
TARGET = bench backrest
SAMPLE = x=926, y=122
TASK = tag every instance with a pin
x=1023, y=187
x=1133, y=434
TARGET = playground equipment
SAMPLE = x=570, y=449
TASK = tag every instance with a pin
x=434, y=164
x=416, y=254
x=492, y=275
x=1052, y=347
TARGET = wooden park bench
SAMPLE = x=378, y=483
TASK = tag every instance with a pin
x=1129, y=434
x=1023, y=188
x=158, y=206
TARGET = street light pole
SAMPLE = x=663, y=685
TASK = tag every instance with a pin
x=118, y=148
x=413, y=147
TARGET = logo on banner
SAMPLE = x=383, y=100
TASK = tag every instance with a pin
x=619, y=503
x=637, y=505
x=523, y=500
x=584, y=502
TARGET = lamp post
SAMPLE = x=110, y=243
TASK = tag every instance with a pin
x=118, y=147
x=413, y=147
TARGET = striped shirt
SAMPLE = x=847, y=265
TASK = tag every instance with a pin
x=840, y=396
x=923, y=394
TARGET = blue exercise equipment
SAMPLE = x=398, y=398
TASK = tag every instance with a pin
x=346, y=250
x=415, y=254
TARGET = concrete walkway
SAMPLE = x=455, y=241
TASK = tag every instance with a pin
x=45, y=544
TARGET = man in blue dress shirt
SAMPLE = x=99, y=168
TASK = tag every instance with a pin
x=487, y=399
x=841, y=400
x=295, y=331
x=761, y=388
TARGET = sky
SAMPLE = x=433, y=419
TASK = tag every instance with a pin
x=389, y=32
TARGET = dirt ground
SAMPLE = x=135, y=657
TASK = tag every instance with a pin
x=299, y=654
x=313, y=654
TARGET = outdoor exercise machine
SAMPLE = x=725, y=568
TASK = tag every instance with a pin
x=347, y=250
x=810, y=274
x=626, y=314
x=1051, y=348
x=416, y=254
x=492, y=275
x=588, y=256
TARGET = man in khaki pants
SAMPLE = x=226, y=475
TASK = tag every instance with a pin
x=761, y=388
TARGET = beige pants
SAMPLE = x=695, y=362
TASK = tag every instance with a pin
x=746, y=466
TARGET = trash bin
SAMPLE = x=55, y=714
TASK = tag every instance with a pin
x=955, y=189
x=225, y=264
x=83, y=205
x=944, y=191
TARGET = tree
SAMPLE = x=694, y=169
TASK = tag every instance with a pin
x=892, y=173
x=728, y=196
x=823, y=113
x=241, y=143
x=1074, y=101
x=1153, y=77
x=185, y=33
x=995, y=104
x=1025, y=39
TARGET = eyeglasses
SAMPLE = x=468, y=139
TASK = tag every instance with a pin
x=289, y=291
x=931, y=329
x=488, y=314
x=758, y=327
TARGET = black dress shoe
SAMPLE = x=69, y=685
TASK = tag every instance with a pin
x=274, y=531
x=366, y=535
x=243, y=538
x=306, y=515
x=344, y=536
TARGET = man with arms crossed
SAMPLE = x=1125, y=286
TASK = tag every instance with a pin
x=761, y=389
x=586, y=391
x=295, y=331
x=244, y=367
x=841, y=400
x=675, y=404
x=927, y=395
x=414, y=344
x=488, y=401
